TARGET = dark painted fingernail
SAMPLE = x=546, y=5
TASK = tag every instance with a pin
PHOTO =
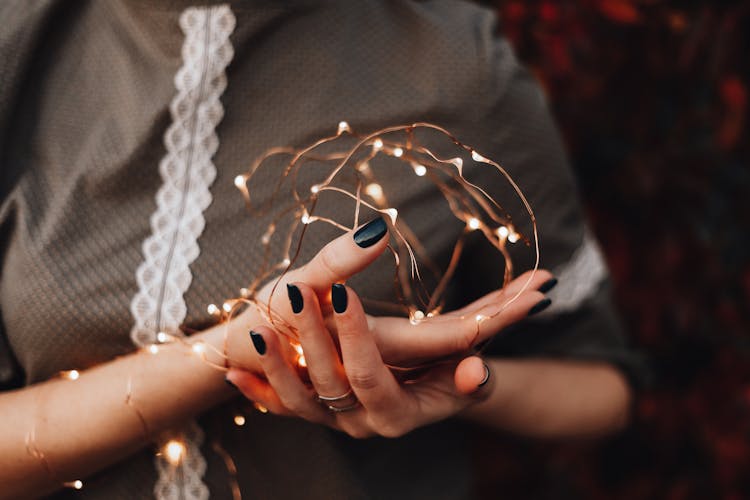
x=231, y=384
x=258, y=342
x=370, y=233
x=540, y=306
x=548, y=285
x=295, y=297
x=339, y=298
x=486, y=376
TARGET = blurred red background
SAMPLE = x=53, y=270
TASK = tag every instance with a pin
x=652, y=99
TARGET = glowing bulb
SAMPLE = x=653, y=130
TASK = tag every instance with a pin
x=377, y=144
x=480, y=318
x=72, y=374
x=153, y=349
x=239, y=420
x=260, y=408
x=364, y=166
x=302, y=361
x=502, y=232
x=392, y=213
x=162, y=337
x=343, y=127
x=477, y=157
x=473, y=223
x=306, y=219
x=265, y=239
x=513, y=237
x=212, y=309
x=244, y=292
x=199, y=348
x=174, y=451
x=240, y=181
x=374, y=191
x=416, y=317
x=314, y=189
x=77, y=484
x=286, y=262
x=398, y=152
x=227, y=307
x=420, y=170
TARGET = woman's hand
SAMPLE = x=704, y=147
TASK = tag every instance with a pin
x=355, y=391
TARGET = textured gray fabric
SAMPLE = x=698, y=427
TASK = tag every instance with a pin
x=84, y=94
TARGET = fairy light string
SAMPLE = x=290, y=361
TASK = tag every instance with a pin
x=345, y=153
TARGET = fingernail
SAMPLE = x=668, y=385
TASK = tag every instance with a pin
x=258, y=342
x=231, y=384
x=370, y=233
x=338, y=297
x=540, y=306
x=295, y=297
x=486, y=376
x=548, y=285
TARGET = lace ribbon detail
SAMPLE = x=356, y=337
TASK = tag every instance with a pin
x=187, y=172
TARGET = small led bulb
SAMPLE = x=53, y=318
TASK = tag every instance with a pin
x=343, y=127
x=315, y=188
x=377, y=144
x=239, y=420
x=162, y=337
x=174, y=451
x=398, y=152
x=477, y=157
x=392, y=213
x=502, y=232
x=212, y=309
x=71, y=374
x=513, y=237
x=199, y=348
x=153, y=349
x=473, y=223
x=306, y=219
x=420, y=170
x=374, y=191
x=240, y=181
x=286, y=262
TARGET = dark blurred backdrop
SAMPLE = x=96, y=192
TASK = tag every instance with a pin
x=651, y=97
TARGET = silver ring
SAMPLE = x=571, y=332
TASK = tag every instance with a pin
x=328, y=399
x=337, y=409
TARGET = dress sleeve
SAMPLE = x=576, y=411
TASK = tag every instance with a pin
x=582, y=322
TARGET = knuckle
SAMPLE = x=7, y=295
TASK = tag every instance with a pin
x=363, y=380
x=328, y=262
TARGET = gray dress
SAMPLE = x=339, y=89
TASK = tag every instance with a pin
x=85, y=89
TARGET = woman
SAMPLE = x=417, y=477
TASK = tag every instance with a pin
x=120, y=220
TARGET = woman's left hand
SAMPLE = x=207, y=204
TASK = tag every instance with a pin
x=355, y=391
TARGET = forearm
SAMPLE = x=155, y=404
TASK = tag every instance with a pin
x=108, y=413
x=554, y=399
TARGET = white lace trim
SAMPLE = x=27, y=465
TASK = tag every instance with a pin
x=187, y=172
x=578, y=278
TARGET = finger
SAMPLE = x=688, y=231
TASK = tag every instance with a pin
x=322, y=359
x=283, y=377
x=473, y=377
x=532, y=280
x=399, y=340
x=368, y=376
x=256, y=389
